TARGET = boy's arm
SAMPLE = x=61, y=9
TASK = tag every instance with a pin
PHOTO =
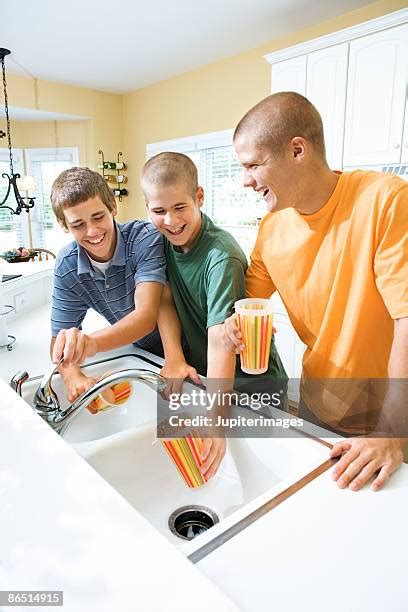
x=74, y=346
x=225, y=285
x=221, y=363
x=366, y=457
x=175, y=365
x=220, y=379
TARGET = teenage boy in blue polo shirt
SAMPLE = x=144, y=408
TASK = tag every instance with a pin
x=117, y=269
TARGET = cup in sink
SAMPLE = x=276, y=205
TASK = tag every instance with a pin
x=87, y=427
x=137, y=465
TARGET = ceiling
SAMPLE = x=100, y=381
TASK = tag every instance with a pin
x=123, y=46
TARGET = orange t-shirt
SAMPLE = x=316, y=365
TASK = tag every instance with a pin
x=342, y=274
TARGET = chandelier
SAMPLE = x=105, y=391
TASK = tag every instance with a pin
x=26, y=183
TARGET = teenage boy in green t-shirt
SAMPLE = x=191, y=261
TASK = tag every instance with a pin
x=206, y=273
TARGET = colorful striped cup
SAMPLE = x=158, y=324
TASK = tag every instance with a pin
x=186, y=455
x=255, y=318
x=116, y=395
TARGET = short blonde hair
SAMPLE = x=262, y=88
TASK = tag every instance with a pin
x=169, y=168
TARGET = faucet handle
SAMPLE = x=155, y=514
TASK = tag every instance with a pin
x=45, y=399
x=17, y=381
x=46, y=379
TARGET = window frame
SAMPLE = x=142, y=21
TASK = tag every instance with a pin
x=33, y=156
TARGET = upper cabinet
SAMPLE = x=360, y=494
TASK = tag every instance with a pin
x=376, y=98
x=290, y=75
x=404, y=152
x=358, y=80
x=326, y=89
x=321, y=77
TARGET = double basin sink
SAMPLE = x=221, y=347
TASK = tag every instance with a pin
x=121, y=445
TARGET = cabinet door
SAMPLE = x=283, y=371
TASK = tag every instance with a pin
x=376, y=97
x=289, y=75
x=404, y=152
x=326, y=89
x=290, y=347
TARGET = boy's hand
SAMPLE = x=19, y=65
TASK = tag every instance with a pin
x=176, y=373
x=231, y=337
x=212, y=454
x=363, y=458
x=75, y=383
x=73, y=346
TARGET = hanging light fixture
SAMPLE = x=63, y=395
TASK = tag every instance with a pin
x=21, y=203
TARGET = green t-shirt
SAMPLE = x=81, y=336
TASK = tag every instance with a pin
x=205, y=283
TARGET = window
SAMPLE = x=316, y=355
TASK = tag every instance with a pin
x=45, y=165
x=229, y=205
x=39, y=228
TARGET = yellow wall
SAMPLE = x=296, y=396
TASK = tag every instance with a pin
x=38, y=134
x=102, y=129
x=213, y=97
x=204, y=100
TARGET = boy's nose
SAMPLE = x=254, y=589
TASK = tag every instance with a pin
x=92, y=230
x=169, y=218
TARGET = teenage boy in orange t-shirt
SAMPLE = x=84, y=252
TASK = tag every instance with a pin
x=335, y=247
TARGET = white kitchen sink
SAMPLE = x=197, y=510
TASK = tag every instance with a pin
x=85, y=427
x=253, y=470
x=121, y=445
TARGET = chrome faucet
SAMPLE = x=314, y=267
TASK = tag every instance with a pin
x=17, y=381
x=47, y=405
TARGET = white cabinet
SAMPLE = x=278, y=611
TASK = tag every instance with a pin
x=290, y=347
x=27, y=292
x=321, y=77
x=326, y=88
x=376, y=98
x=290, y=75
x=358, y=80
x=404, y=151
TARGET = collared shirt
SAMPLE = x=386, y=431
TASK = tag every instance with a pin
x=138, y=257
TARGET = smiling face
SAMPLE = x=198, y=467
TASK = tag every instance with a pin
x=274, y=178
x=91, y=225
x=175, y=212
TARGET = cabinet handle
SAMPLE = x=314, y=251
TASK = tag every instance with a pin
x=396, y=146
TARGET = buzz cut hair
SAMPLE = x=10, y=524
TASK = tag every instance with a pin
x=77, y=185
x=169, y=168
x=280, y=117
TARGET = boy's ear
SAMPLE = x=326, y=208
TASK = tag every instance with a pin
x=299, y=147
x=114, y=209
x=200, y=196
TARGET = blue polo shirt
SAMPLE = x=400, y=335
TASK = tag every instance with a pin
x=139, y=257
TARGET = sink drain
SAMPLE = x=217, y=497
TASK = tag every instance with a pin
x=188, y=522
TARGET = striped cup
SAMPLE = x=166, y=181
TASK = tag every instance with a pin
x=186, y=455
x=255, y=318
x=116, y=395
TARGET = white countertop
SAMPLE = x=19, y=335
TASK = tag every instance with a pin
x=26, y=268
x=321, y=549
x=31, y=349
x=63, y=527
